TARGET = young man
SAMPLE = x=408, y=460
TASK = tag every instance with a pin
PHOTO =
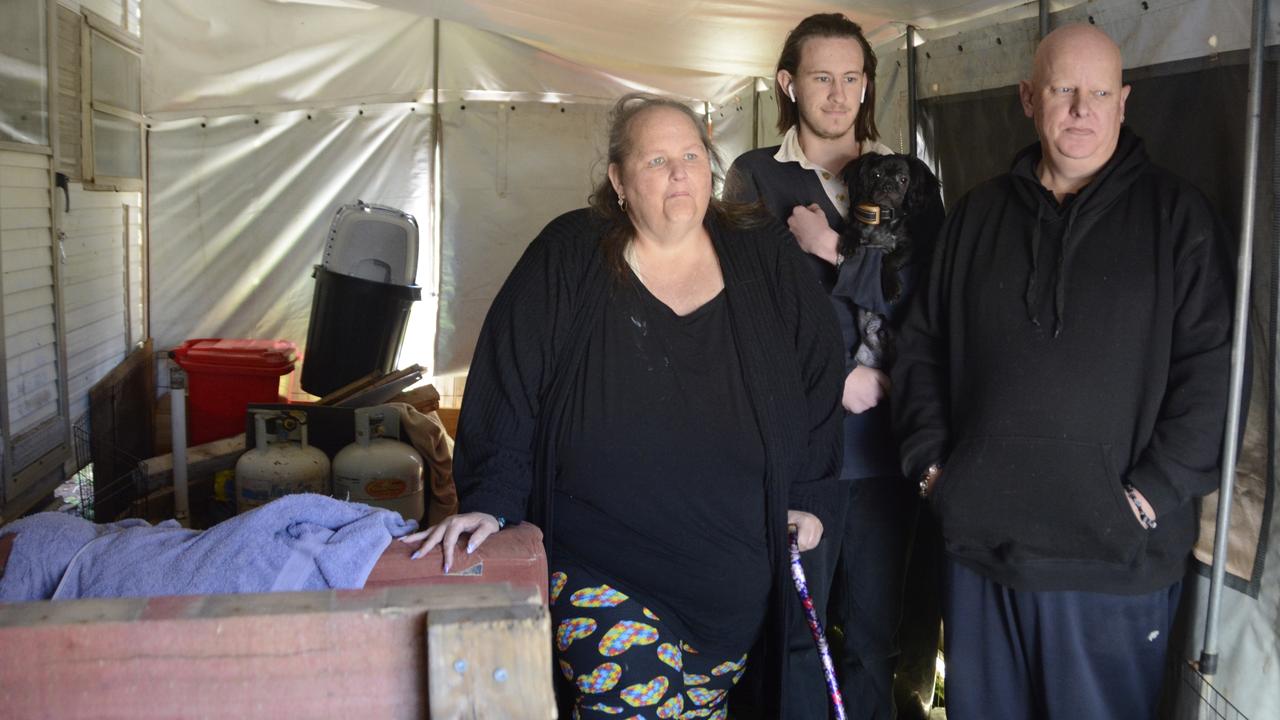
x=825, y=87
x=1061, y=392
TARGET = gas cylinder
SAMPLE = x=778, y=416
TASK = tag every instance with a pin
x=282, y=463
x=378, y=470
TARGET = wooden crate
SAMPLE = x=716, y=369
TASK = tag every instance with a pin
x=442, y=652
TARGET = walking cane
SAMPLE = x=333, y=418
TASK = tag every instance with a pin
x=815, y=625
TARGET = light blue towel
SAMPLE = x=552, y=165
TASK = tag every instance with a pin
x=298, y=542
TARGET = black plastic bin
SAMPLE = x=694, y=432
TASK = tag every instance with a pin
x=356, y=328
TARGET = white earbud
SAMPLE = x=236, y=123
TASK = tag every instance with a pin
x=791, y=92
x=864, y=94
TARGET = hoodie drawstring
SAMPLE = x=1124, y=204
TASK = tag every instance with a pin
x=1060, y=296
x=1032, y=281
x=1032, y=297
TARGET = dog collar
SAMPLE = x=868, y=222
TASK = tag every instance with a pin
x=869, y=214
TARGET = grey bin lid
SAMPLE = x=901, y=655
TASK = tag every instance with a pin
x=373, y=242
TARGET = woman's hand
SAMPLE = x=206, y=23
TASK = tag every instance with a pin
x=480, y=525
x=808, y=528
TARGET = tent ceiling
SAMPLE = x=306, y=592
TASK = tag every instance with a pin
x=713, y=36
x=256, y=55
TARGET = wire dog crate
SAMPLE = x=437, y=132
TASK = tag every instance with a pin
x=110, y=488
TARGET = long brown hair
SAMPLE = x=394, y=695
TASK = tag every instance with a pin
x=604, y=199
x=826, y=25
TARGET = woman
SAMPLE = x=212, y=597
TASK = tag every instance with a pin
x=656, y=385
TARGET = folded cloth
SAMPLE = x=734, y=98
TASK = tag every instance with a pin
x=298, y=542
x=428, y=436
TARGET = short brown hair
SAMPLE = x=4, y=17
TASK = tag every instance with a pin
x=827, y=25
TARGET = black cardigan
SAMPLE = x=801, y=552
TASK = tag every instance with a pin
x=532, y=344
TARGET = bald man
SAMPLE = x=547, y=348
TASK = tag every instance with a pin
x=1060, y=394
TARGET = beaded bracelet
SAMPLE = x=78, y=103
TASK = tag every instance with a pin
x=1143, y=517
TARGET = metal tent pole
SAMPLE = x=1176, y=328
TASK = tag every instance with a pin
x=912, y=120
x=1209, y=654
x=1044, y=18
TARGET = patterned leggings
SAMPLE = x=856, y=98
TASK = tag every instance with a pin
x=625, y=663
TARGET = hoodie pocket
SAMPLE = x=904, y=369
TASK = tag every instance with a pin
x=1026, y=499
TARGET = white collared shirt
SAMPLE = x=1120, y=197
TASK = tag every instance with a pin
x=790, y=151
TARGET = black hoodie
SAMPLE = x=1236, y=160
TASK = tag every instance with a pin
x=1058, y=352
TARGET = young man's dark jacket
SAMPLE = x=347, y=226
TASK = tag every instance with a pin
x=1059, y=352
x=870, y=450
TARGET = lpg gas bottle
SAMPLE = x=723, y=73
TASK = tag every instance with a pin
x=377, y=470
x=282, y=463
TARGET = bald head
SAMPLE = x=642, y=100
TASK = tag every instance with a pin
x=1076, y=98
x=1072, y=43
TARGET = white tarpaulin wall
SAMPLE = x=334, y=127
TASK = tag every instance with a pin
x=525, y=150
x=240, y=205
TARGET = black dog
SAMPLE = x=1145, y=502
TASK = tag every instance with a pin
x=895, y=204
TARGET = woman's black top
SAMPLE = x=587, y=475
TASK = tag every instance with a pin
x=661, y=473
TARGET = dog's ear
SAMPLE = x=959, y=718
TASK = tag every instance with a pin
x=924, y=190
x=855, y=175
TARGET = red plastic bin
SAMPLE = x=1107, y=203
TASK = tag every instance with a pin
x=224, y=376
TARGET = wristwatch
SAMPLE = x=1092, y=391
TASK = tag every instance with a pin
x=928, y=478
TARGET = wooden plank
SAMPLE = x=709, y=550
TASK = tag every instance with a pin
x=27, y=259
x=87, y=370
x=97, y=199
x=27, y=341
x=28, y=362
x=366, y=384
x=490, y=663
x=24, y=177
x=24, y=320
x=35, y=482
x=31, y=382
x=89, y=314
x=122, y=421
x=449, y=418
x=15, y=282
x=91, y=360
x=23, y=219
x=97, y=288
x=78, y=406
x=202, y=461
x=37, y=443
x=28, y=299
x=33, y=409
x=13, y=198
x=113, y=297
x=24, y=160
x=100, y=331
x=333, y=654
x=87, y=219
x=83, y=268
x=90, y=240
x=424, y=398
x=28, y=238
x=16, y=148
